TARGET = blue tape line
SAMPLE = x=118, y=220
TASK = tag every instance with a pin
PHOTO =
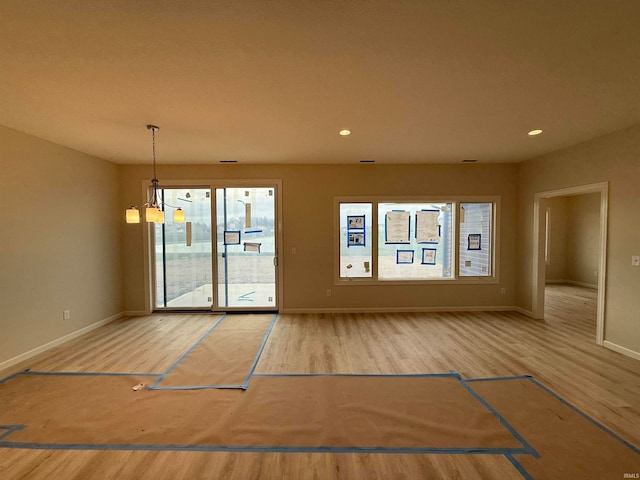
x=584, y=415
x=199, y=387
x=184, y=355
x=530, y=449
x=10, y=429
x=259, y=449
x=416, y=375
x=518, y=467
x=94, y=374
x=5, y=379
x=491, y=379
x=264, y=342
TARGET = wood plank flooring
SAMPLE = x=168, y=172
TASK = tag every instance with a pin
x=559, y=351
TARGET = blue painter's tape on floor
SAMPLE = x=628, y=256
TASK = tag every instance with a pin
x=518, y=467
x=22, y=372
x=587, y=417
x=264, y=342
x=492, y=379
x=201, y=387
x=506, y=424
x=185, y=354
x=262, y=449
x=8, y=430
x=414, y=375
x=94, y=374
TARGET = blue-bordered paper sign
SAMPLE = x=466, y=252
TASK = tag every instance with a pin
x=428, y=256
x=474, y=241
x=232, y=237
x=404, y=257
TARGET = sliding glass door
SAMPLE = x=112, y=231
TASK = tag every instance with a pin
x=223, y=257
x=183, y=251
x=246, y=262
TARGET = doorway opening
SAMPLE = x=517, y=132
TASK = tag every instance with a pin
x=571, y=248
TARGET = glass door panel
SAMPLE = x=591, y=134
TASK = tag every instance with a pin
x=246, y=248
x=183, y=257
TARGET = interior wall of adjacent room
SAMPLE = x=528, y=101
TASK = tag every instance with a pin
x=574, y=237
x=613, y=158
x=556, y=267
x=583, y=240
x=308, y=226
x=60, y=242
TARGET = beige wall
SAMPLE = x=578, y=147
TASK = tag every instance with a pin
x=59, y=242
x=574, y=239
x=614, y=158
x=556, y=269
x=308, y=225
x=583, y=239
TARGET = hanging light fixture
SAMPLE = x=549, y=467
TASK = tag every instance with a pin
x=153, y=209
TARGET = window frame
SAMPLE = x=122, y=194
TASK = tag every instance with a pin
x=455, y=279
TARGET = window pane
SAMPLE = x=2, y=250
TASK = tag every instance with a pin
x=183, y=267
x=415, y=241
x=476, y=220
x=355, y=240
x=246, y=247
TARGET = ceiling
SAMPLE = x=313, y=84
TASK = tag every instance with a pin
x=424, y=81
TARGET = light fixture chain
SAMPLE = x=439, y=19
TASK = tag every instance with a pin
x=153, y=136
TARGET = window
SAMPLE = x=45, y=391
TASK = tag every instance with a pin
x=418, y=240
x=421, y=228
x=476, y=222
x=356, y=222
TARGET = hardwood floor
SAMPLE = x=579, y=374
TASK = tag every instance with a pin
x=560, y=352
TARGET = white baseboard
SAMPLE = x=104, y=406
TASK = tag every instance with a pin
x=59, y=341
x=554, y=281
x=623, y=350
x=501, y=308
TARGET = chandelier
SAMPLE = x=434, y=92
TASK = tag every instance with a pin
x=154, y=209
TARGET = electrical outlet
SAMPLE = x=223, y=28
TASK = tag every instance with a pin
x=503, y=291
x=635, y=260
x=329, y=293
x=293, y=250
x=66, y=314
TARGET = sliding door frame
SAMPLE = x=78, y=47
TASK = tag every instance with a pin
x=149, y=243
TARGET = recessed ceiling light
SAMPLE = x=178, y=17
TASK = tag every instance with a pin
x=533, y=133
x=345, y=132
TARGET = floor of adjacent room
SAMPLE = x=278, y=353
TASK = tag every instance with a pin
x=560, y=352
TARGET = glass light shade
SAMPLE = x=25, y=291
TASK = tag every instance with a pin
x=133, y=215
x=160, y=216
x=178, y=216
x=151, y=214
